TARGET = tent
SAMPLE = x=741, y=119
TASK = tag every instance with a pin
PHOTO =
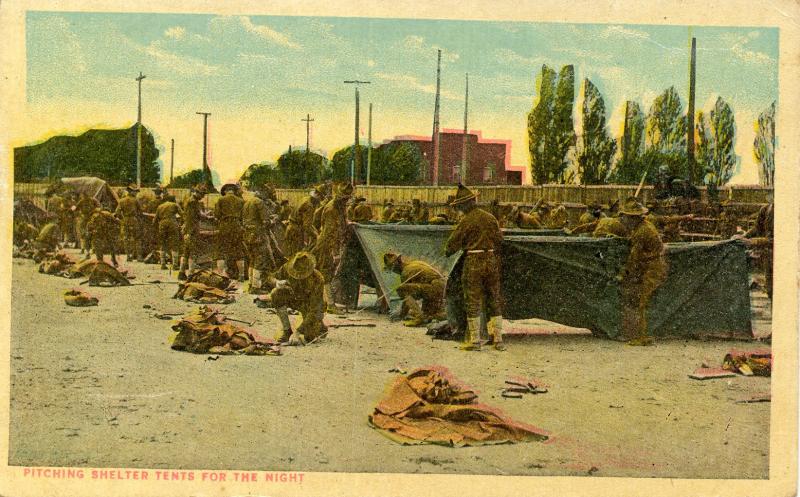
x=95, y=187
x=571, y=281
x=362, y=261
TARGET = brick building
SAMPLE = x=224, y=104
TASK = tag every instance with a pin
x=488, y=159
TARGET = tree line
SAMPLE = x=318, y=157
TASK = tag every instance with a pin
x=648, y=142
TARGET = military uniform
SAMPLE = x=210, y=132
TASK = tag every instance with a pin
x=129, y=213
x=103, y=232
x=302, y=291
x=330, y=243
x=419, y=213
x=260, y=250
x=84, y=208
x=192, y=215
x=418, y=281
x=24, y=233
x=765, y=229
x=168, y=231
x=300, y=232
x=478, y=234
x=48, y=238
x=359, y=212
x=388, y=212
x=644, y=271
x=527, y=221
x=229, y=240
x=609, y=226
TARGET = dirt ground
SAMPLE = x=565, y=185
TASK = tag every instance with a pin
x=100, y=387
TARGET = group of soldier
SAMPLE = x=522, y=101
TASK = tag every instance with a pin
x=292, y=256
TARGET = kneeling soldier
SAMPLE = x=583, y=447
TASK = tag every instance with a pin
x=418, y=281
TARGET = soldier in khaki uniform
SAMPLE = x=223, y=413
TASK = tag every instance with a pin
x=593, y=212
x=418, y=281
x=128, y=212
x=229, y=245
x=478, y=234
x=762, y=236
x=420, y=214
x=608, y=227
x=168, y=230
x=297, y=284
x=192, y=215
x=85, y=208
x=300, y=232
x=258, y=222
x=524, y=220
x=331, y=241
x=388, y=211
x=103, y=230
x=644, y=271
x=48, y=238
x=285, y=211
x=359, y=212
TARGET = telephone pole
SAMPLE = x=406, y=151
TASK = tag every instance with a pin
x=308, y=122
x=369, y=144
x=464, y=157
x=171, y=159
x=435, y=171
x=206, y=169
x=690, y=165
x=354, y=153
x=139, y=133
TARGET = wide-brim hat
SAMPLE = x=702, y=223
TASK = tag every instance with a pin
x=345, y=190
x=360, y=199
x=200, y=188
x=229, y=186
x=632, y=207
x=301, y=265
x=390, y=259
x=463, y=194
x=132, y=188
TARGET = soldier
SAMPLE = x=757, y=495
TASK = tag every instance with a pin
x=326, y=190
x=418, y=281
x=762, y=236
x=257, y=221
x=103, y=230
x=419, y=212
x=331, y=241
x=668, y=226
x=285, y=211
x=48, y=238
x=478, y=235
x=24, y=234
x=524, y=220
x=128, y=212
x=85, y=208
x=644, y=271
x=553, y=216
x=229, y=244
x=148, y=235
x=593, y=212
x=388, y=211
x=359, y=212
x=607, y=227
x=168, y=230
x=298, y=284
x=66, y=218
x=300, y=232
x=192, y=215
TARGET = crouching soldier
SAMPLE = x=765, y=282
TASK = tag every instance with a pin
x=478, y=234
x=298, y=284
x=418, y=281
x=103, y=230
x=48, y=238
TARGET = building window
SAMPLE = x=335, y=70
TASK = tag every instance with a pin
x=488, y=174
x=457, y=173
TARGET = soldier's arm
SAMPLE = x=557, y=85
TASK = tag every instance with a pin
x=455, y=242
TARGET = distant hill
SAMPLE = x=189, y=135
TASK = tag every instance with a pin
x=109, y=154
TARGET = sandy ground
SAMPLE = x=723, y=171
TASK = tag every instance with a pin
x=101, y=387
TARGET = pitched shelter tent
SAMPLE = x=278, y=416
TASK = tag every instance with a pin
x=26, y=211
x=95, y=187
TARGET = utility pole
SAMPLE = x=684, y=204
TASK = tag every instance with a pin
x=369, y=144
x=139, y=133
x=435, y=171
x=690, y=114
x=171, y=159
x=464, y=157
x=308, y=122
x=206, y=169
x=354, y=153
x=626, y=136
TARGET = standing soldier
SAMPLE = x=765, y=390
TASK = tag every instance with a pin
x=644, y=271
x=192, y=215
x=297, y=284
x=330, y=243
x=257, y=221
x=103, y=232
x=229, y=245
x=762, y=236
x=66, y=218
x=418, y=281
x=85, y=208
x=128, y=212
x=148, y=235
x=300, y=233
x=478, y=234
x=168, y=230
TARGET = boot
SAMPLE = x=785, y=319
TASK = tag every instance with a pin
x=255, y=281
x=163, y=259
x=332, y=309
x=175, y=263
x=495, y=328
x=472, y=337
x=242, y=273
x=286, y=325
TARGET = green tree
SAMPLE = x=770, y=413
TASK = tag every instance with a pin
x=665, y=135
x=630, y=164
x=539, y=119
x=397, y=164
x=597, y=148
x=298, y=168
x=716, y=136
x=550, y=128
x=261, y=174
x=764, y=146
x=340, y=164
x=109, y=154
x=188, y=179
